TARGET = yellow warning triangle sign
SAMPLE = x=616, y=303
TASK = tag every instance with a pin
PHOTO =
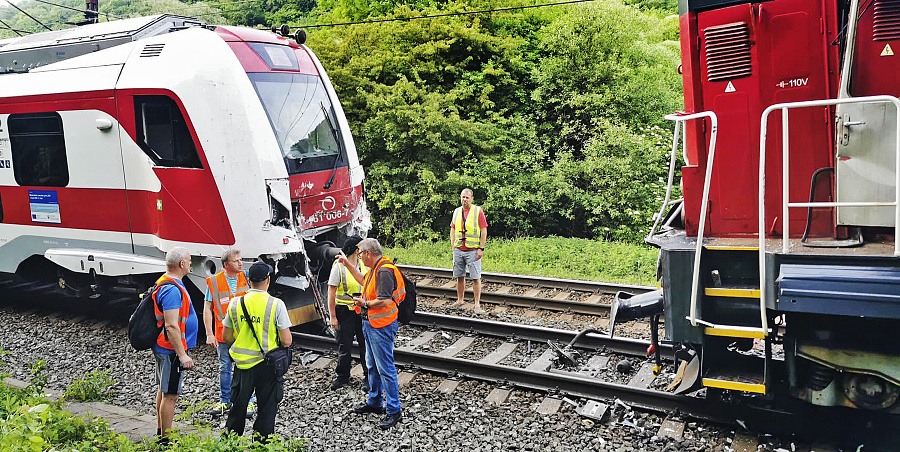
x=887, y=50
x=730, y=88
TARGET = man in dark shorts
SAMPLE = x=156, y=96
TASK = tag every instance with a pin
x=179, y=334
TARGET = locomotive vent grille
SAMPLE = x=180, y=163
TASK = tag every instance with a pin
x=887, y=20
x=727, y=49
x=152, y=50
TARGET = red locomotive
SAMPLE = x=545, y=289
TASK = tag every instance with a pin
x=780, y=266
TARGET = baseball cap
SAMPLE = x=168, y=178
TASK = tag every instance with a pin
x=350, y=245
x=259, y=271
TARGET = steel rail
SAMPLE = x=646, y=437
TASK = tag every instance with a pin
x=523, y=301
x=591, y=341
x=563, y=383
x=532, y=281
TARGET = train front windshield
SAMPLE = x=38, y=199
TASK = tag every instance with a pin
x=303, y=119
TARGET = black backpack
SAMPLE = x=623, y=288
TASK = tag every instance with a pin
x=407, y=307
x=143, y=329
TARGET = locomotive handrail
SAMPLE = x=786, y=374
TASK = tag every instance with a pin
x=786, y=204
x=679, y=118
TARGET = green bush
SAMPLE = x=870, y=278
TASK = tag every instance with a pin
x=552, y=116
x=94, y=386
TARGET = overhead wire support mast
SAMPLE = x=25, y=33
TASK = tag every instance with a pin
x=29, y=15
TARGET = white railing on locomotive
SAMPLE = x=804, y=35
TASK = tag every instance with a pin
x=667, y=201
x=680, y=118
x=785, y=183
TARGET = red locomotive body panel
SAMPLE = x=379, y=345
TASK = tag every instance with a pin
x=740, y=60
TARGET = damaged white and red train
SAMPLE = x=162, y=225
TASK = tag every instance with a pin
x=124, y=139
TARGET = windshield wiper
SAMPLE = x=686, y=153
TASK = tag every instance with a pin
x=337, y=158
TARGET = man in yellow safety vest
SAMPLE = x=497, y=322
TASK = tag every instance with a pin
x=468, y=234
x=268, y=318
x=342, y=287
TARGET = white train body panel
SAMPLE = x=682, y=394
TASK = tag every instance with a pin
x=166, y=141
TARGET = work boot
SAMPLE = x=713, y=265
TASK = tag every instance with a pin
x=220, y=409
x=390, y=420
x=366, y=408
x=339, y=383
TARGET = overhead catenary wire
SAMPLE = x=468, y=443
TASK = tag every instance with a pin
x=7, y=27
x=216, y=7
x=29, y=15
x=79, y=10
x=335, y=24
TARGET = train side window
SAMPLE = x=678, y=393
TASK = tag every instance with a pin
x=163, y=134
x=38, y=149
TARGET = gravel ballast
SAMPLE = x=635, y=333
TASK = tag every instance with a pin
x=432, y=421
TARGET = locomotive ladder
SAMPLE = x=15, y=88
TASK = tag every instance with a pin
x=718, y=335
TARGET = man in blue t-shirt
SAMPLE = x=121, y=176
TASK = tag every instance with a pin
x=179, y=334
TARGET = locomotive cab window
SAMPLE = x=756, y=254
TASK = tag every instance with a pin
x=38, y=149
x=163, y=134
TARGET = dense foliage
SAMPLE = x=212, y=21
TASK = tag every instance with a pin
x=552, y=115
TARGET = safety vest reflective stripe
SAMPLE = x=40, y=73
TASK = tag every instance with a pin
x=214, y=283
x=183, y=313
x=245, y=351
x=468, y=234
x=348, y=284
x=248, y=358
x=385, y=315
x=382, y=314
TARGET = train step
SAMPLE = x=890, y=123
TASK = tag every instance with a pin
x=754, y=249
x=732, y=292
x=736, y=372
x=730, y=271
x=736, y=331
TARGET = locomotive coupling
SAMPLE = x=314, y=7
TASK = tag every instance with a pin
x=322, y=252
x=628, y=306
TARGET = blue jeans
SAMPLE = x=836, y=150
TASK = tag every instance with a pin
x=380, y=361
x=226, y=367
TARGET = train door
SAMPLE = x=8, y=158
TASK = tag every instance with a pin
x=752, y=56
x=172, y=196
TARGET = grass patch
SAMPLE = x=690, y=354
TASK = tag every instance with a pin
x=593, y=260
x=31, y=422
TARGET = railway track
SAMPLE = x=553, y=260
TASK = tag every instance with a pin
x=540, y=374
x=556, y=294
x=543, y=372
